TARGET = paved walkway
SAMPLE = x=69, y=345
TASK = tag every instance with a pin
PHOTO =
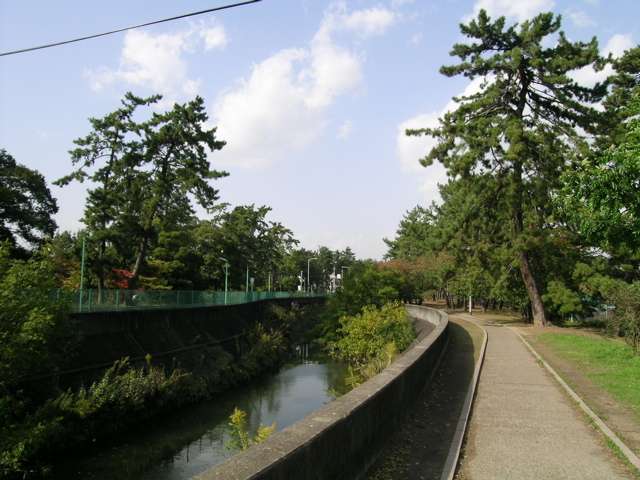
x=523, y=427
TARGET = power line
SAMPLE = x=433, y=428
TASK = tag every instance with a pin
x=155, y=22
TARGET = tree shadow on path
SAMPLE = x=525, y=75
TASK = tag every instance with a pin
x=419, y=448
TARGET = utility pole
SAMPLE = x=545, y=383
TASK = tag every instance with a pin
x=308, y=264
x=226, y=278
x=84, y=237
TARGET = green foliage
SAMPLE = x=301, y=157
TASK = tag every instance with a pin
x=147, y=173
x=370, y=340
x=125, y=395
x=239, y=433
x=562, y=299
x=516, y=133
x=414, y=237
x=245, y=238
x=35, y=334
x=626, y=319
x=366, y=283
x=26, y=205
x=601, y=194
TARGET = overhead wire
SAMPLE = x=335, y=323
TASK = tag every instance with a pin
x=155, y=22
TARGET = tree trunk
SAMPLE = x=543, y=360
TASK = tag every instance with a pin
x=142, y=250
x=537, y=307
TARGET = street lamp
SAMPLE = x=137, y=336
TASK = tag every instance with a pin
x=226, y=277
x=308, y=263
x=84, y=237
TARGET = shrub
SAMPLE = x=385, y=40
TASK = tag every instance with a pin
x=369, y=341
x=35, y=334
x=626, y=318
x=240, y=438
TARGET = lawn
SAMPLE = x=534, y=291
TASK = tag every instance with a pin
x=610, y=364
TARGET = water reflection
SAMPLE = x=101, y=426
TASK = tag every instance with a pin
x=187, y=443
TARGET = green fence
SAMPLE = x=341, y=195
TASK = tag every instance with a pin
x=90, y=300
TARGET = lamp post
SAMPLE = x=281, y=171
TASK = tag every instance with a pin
x=308, y=264
x=226, y=278
x=84, y=237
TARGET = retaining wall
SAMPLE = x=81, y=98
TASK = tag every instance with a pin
x=171, y=336
x=342, y=439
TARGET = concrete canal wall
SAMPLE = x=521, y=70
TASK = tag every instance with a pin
x=342, y=439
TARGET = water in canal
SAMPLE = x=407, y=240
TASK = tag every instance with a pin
x=192, y=440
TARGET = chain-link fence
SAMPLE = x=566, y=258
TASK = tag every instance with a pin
x=91, y=300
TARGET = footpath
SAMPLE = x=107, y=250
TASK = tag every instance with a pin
x=524, y=427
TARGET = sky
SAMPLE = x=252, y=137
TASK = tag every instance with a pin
x=311, y=96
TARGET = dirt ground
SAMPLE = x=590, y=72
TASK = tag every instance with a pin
x=418, y=449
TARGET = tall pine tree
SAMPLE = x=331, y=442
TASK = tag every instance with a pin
x=523, y=125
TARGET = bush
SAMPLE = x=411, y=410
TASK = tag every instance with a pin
x=240, y=438
x=626, y=319
x=125, y=395
x=369, y=341
x=35, y=334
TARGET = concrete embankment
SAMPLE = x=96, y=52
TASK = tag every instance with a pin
x=342, y=439
x=176, y=337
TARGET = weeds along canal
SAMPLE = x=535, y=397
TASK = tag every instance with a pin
x=190, y=441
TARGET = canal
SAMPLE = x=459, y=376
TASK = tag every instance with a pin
x=194, y=439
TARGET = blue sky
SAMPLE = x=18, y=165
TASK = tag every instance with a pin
x=311, y=95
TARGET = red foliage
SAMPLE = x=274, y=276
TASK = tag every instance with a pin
x=121, y=277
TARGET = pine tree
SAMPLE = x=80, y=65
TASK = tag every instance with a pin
x=146, y=170
x=522, y=126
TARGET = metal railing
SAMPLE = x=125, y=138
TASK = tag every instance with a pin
x=91, y=300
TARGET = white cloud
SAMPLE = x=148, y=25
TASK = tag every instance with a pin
x=267, y=113
x=281, y=105
x=616, y=46
x=214, y=37
x=416, y=38
x=371, y=21
x=158, y=61
x=365, y=22
x=334, y=70
x=580, y=18
x=345, y=130
x=410, y=149
x=516, y=9
x=401, y=3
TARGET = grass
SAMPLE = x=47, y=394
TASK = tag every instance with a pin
x=610, y=364
x=621, y=456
